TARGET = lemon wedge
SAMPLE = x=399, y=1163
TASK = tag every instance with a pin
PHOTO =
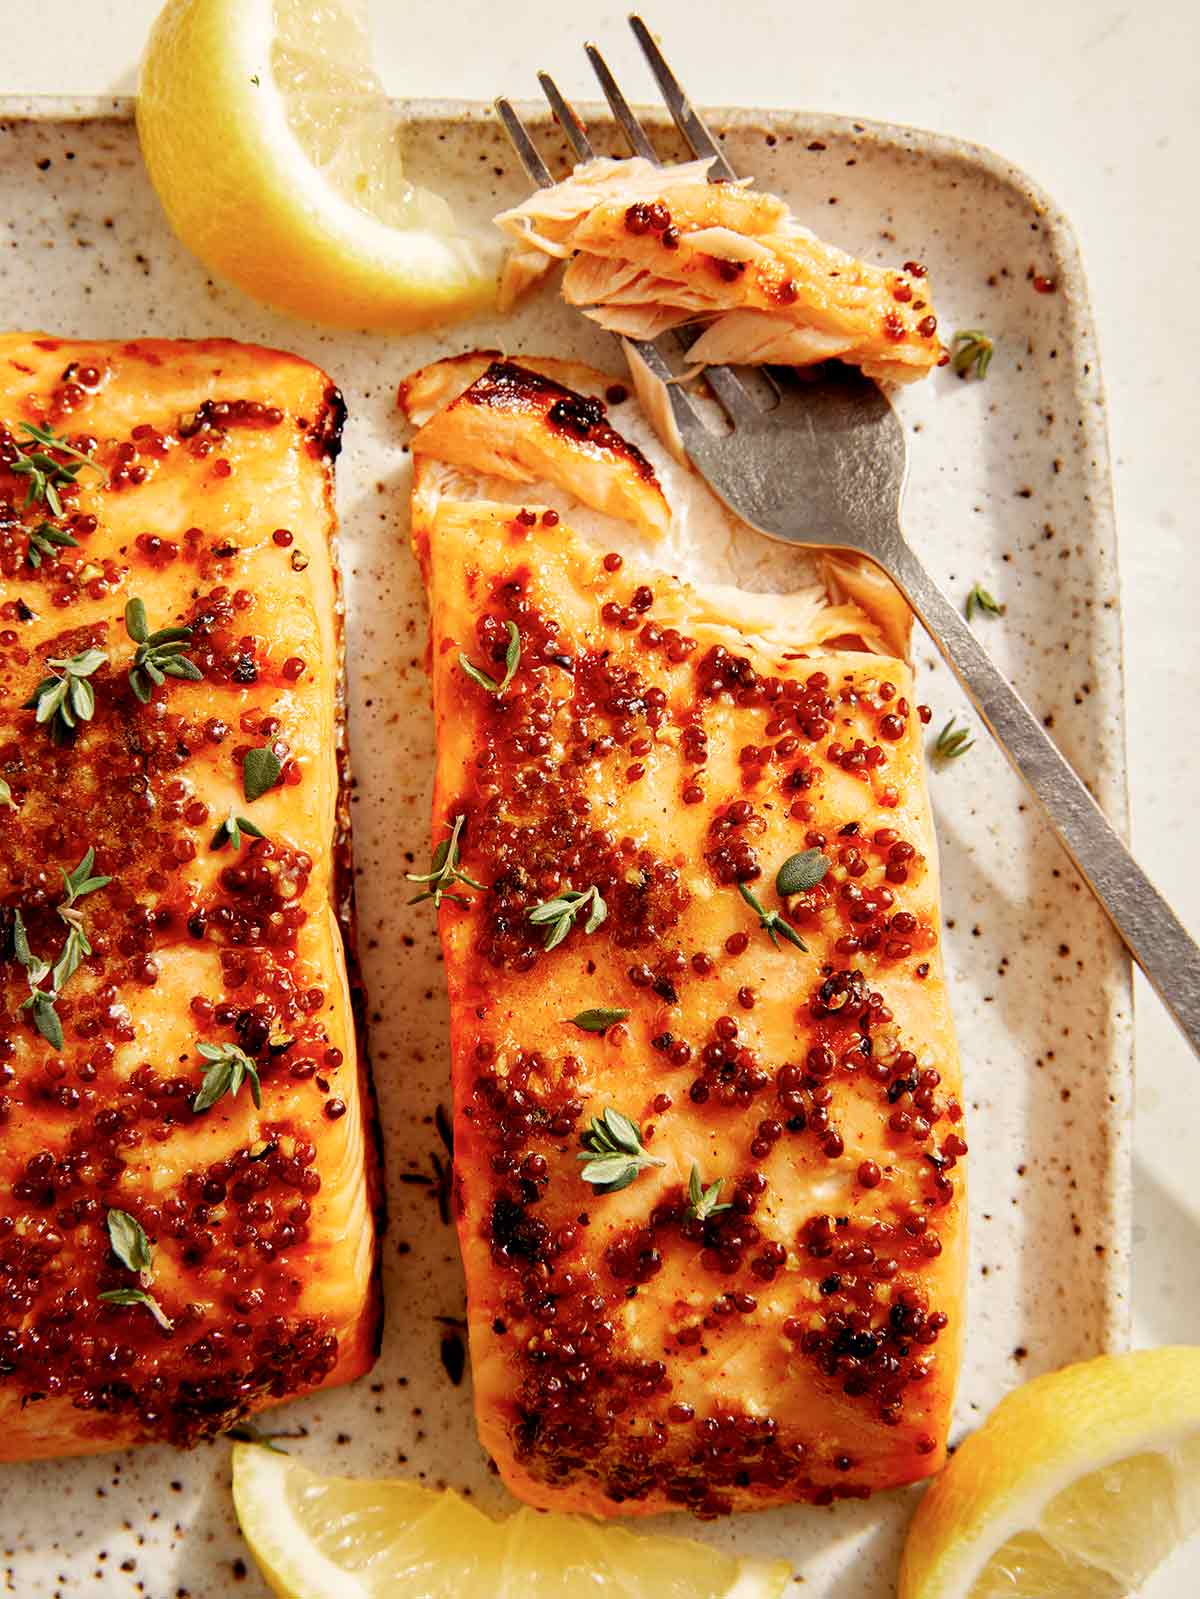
x=1076, y=1486
x=353, y=1538
x=274, y=152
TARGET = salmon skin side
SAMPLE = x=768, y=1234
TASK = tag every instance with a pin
x=766, y=1304
x=170, y=1261
x=648, y=248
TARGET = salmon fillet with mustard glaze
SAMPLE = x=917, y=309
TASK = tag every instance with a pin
x=650, y=248
x=187, y=1174
x=708, y=1123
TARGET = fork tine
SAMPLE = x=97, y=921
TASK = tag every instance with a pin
x=619, y=106
x=687, y=120
x=731, y=391
x=535, y=168
x=568, y=118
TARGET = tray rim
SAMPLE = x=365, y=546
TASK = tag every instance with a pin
x=1096, y=470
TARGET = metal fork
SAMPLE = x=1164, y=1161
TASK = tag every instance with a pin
x=825, y=468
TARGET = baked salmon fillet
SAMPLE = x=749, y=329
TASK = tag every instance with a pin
x=650, y=248
x=708, y=1125
x=187, y=1170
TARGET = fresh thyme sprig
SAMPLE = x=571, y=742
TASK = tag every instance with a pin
x=76, y=884
x=952, y=742
x=67, y=698
x=971, y=348
x=42, y=1001
x=443, y=871
x=231, y=830
x=159, y=655
x=702, y=1202
x=980, y=600
x=598, y=1019
x=613, y=1152
x=46, y=539
x=512, y=659
x=230, y=1068
x=133, y=1249
x=557, y=915
x=801, y=872
x=44, y=475
x=772, y=923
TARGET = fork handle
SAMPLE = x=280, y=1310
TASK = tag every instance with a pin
x=1156, y=938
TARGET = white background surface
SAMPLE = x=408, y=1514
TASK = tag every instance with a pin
x=1097, y=101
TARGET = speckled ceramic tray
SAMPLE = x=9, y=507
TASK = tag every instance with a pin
x=1009, y=486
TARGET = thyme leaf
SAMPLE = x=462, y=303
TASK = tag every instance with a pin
x=230, y=1067
x=980, y=600
x=43, y=474
x=702, y=1202
x=952, y=742
x=801, y=872
x=613, y=1152
x=772, y=923
x=46, y=539
x=130, y=1245
x=67, y=698
x=261, y=770
x=599, y=1019
x=971, y=348
x=138, y=1296
x=159, y=655
x=512, y=659
x=231, y=830
x=444, y=870
x=558, y=915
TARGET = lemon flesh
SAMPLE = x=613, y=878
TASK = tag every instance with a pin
x=274, y=152
x=353, y=1538
x=1075, y=1487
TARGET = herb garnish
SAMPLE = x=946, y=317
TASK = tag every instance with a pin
x=702, y=1202
x=512, y=657
x=613, y=1152
x=46, y=539
x=138, y=1296
x=980, y=600
x=159, y=655
x=231, y=830
x=41, y=1000
x=67, y=698
x=230, y=1068
x=261, y=770
x=557, y=915
x=801, y=872
x=952, y=742
x=599, y=1019
x=133, y=1249
x=43, y=475
x=971, y=348
x=771, y=921
x=444, y=870
x=130, y=1244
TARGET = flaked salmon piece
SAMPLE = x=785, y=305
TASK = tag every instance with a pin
x=212, y=504
x=649, y=248
x=515, y=423
x=771, y=1309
